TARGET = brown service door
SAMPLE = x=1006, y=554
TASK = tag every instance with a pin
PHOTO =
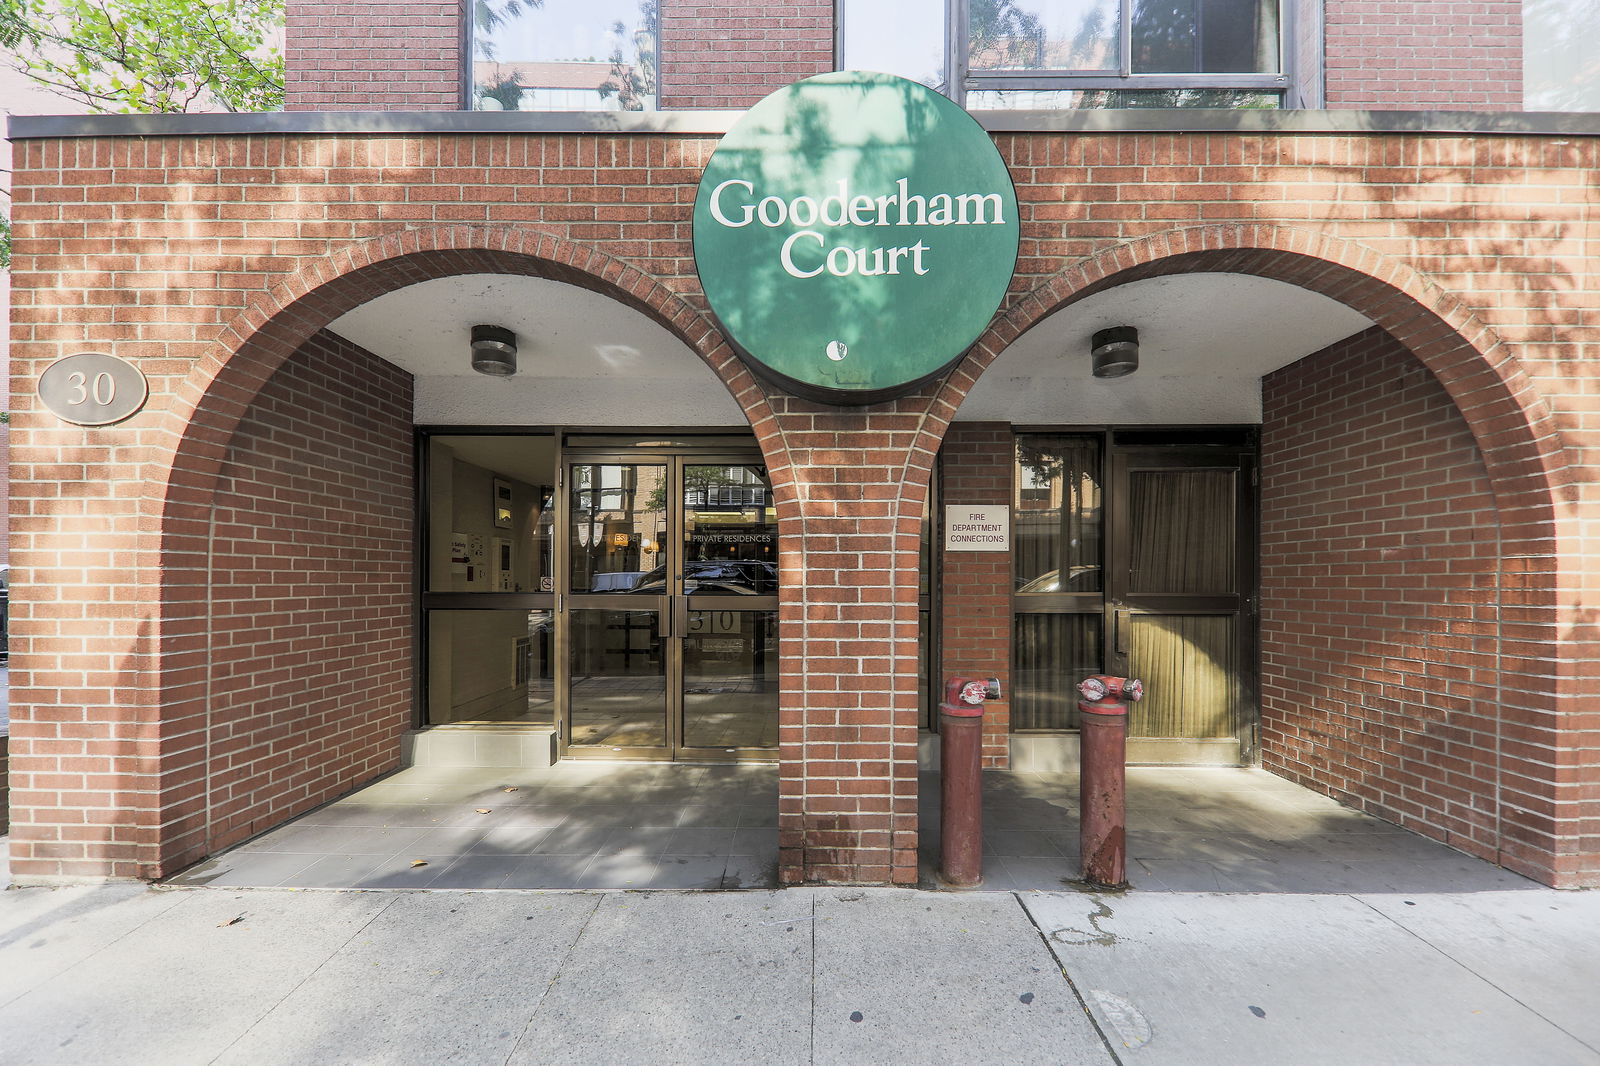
x=1180, y=557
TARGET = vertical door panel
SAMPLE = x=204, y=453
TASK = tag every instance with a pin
x=618, y=700
x=1179, y=596
x=617, y=690
x=1187, y=664
x=730, y=679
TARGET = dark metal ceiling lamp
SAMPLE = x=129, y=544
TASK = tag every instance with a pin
x=1115, y=351
x=494, y=351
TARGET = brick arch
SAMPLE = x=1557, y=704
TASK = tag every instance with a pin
x=277, y=322
x=1539, y=662
x=207, y=408
x=1513, y=426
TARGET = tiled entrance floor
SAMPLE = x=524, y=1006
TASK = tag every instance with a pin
x=634, y=826
x=1206, y=829
x=576, y=825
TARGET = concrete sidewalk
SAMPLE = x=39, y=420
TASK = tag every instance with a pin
x=127, y=974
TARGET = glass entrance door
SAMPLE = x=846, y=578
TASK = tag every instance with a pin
x=668, y=614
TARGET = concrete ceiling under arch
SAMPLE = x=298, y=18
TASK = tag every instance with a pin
x=586, y=360
x=583, y=359
x=1205, y=340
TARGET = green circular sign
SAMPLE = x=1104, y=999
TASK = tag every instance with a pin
x=854, y=234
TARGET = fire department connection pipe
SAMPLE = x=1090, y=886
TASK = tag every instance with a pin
x=1103, y=777
x=961, y=779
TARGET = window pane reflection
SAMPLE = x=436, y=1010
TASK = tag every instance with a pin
x=1058, y=514
x=904, y=37
x=1053, y=652
x=619, y=516
x=490, y=666
x=730, y=531
x=1111, y=99
x=1044, y=35
x=1205, y=37
x=618, y=690
x=564, y=55
x=730, y=680
x=1559, y=72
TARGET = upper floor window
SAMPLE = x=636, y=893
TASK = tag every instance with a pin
x=563, y=55
x=1559, y=72
x=1075, y=53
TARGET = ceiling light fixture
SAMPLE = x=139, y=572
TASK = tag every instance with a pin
x=494, y=351
x=1115, y=351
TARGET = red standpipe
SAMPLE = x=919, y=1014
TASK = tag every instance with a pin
x=1103, y=778
x=961, y=781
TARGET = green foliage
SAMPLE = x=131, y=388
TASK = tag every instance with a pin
x=145, y=56
x=634, y=84
x=507, y=90
x=5, y=243
x=489, y=16
x=1003, y=36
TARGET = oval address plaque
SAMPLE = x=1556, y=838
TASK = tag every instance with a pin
x=93, y=389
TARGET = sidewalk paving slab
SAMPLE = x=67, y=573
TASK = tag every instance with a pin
x=905, y=976
x=666, y=977
x=1540, y=947
x=433, y=978
x=1472, y=976
x=1197, y=979
x=46, y=931
x=184, y=983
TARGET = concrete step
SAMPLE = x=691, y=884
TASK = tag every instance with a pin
x=476, y=745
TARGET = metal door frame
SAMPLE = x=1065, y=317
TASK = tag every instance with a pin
x=672, y=609
x=1196, y=450
x=1119, y=462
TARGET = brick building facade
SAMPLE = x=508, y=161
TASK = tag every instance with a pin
x=219, y=626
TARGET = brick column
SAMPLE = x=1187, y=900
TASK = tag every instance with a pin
x=848, y=721
x=975, y=626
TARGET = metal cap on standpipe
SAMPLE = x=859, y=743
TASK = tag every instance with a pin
x=494, y=351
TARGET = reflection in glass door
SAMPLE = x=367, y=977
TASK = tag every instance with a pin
x=670, y=608
x=1134, y=557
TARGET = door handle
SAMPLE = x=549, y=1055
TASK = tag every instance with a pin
x=679, y=610
x=1122, y=622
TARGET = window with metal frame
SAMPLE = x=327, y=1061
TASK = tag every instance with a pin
x=562, y=55
x=1080, y=54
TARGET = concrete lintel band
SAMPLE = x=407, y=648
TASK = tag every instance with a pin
x=1152, y=120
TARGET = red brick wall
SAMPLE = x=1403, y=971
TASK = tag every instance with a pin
x=716, y=55
x=852, y=487
x=976, y=465
x=377, y=55
x=1418, y=55
x=310, y=660
x=1486, y=279
x=407, y=56
x=1381, y=600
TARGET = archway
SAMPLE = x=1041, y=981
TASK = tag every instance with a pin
x=1507, y=426
x=258, y=358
